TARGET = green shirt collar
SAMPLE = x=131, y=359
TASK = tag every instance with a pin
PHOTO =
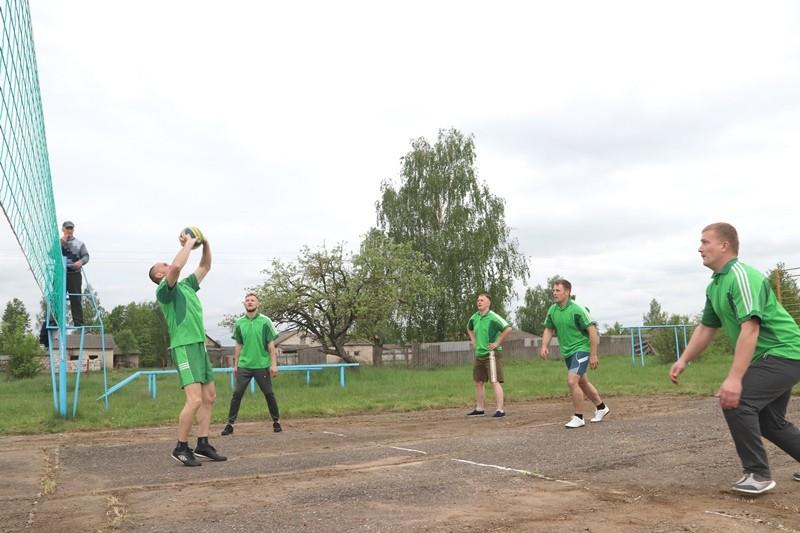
x=726, y=268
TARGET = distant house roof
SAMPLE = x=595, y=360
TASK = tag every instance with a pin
x=91, y=341
x=283, y=335
x=215, y=343
x=517, y=334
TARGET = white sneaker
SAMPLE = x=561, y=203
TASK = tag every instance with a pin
x=575, y=422
x=751, y=485
x=599, y=414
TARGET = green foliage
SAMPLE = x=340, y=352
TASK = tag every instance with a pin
x=655, y=315
x=614, y=329
x=145, y=323
x=663, y=339
x=24, y=352
x=784, y=284
x=93, y=310
x=456, y=224
x=126, y=341
x=531, y=315
x=16, y=320
x=330, y=293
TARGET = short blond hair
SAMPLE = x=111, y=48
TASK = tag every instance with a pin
x=725, y=232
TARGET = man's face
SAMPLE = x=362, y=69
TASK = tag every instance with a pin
x=483, y=303
x=250, y=303
x=560, y=294
x=68, y=232
x=713, y=250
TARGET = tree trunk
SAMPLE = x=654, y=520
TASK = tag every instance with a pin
x=340, y=351
x=377, y=351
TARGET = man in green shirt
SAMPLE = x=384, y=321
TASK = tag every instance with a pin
x=766, y=357
x=184, y=316
x=578, y=340
x=487, y=330
x=254, y=335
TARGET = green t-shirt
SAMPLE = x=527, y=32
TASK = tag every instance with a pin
x=738, y=293
x=571, y=324
x=182, y=310
x=254, y=335
x=487, y=329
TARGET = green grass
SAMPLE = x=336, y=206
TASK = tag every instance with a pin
x=27, y=405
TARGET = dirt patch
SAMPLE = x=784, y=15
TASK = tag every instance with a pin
x=655, y=464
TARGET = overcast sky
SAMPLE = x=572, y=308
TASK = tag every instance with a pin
x=614, y=131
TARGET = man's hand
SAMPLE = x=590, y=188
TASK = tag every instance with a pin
x=544, y=352
x=676, y=370
x=730, y=392
x=273, y=370
x=235, y=371
x=593, y=361
x=492, y=346
x=77, y=265
x=185, y=238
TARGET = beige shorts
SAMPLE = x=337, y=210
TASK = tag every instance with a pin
x=482, y=371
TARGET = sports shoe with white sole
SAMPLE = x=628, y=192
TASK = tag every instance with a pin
x=796, y=476
x=752, y=485
x=185, y=457
x=600, y=414
x=575, y=422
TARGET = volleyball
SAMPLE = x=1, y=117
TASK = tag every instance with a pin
x=194, y=232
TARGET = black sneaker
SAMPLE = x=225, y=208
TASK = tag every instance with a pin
x=209, y=452
x=228, y=430
x=185, y=457
x=276, y=427
x=499, y=414
x=475, y=412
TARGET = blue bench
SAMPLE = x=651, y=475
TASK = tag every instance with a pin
x=152, y=374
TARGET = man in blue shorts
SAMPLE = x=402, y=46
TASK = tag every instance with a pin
x=184, y=316
x=578, y=340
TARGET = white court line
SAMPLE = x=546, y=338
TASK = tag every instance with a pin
x=407, y=450
x=498, y=467
x=473, y=463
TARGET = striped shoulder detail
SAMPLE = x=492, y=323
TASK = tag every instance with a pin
x=743, y=280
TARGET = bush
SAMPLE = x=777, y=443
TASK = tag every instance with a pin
x=24, y=354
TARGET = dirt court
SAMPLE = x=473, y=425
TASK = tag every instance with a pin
x=655, y=464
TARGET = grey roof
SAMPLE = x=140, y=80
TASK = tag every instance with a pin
x=90, y=341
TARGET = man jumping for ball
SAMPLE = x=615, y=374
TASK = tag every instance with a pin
x=766, y=356
x=578, y=340
x=184, y=316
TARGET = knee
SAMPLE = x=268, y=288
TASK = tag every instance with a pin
x=210, y=397
x=194, y=402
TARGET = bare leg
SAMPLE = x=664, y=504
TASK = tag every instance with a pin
x=194, y=399
x=498, y=395
x=204, y=412
x=480, y=396
x=590, y=390
x=573, y=382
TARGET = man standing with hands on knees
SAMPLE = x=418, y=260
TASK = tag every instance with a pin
x=487, y=330
x=254, y=356
x=766, y=357
x=184, y=316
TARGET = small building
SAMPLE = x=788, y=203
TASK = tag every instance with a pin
x=96, y=348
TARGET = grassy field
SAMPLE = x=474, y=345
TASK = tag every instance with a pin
x=27, y=405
